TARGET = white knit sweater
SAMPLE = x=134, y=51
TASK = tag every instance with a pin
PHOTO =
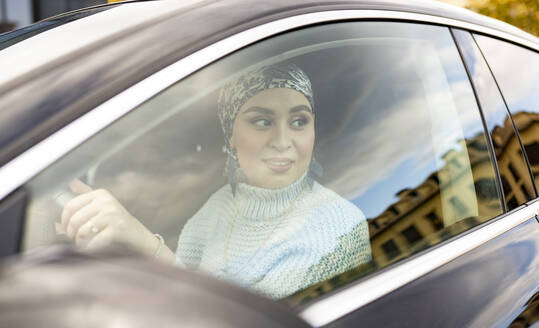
x=273, y=248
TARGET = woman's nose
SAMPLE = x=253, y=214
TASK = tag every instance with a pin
x=281, y=140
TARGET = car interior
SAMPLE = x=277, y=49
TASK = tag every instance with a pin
x=392, y=139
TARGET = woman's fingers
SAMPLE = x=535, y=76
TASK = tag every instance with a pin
x=87, y=215
x=82, y=208
x=74, y=206
x=79, y=218
x=90, y=229
x=101, y=239
x=102, y=210
x=78, y=187
x=95, y=218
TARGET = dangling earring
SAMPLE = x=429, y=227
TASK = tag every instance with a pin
x=233, y=171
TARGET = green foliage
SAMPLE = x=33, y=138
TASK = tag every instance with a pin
x=523, y=14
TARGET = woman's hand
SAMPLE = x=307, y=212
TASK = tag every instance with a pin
x=95, y=219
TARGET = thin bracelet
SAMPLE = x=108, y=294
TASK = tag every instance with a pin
x=161, y=243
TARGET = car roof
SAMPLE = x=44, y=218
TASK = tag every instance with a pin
x=151, y=36
x=135, y=15
x=431, y=7
x=130, y=16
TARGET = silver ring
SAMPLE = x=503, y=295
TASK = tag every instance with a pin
x=94, y=229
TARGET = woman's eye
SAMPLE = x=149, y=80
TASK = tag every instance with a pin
x=299, y=122
x=261, y=122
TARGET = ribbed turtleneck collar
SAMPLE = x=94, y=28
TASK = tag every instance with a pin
x=269, y=204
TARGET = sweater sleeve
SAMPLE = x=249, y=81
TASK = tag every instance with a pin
x=195, y=235
x=192, y=241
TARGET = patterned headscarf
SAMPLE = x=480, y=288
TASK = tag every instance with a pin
x=236, y=93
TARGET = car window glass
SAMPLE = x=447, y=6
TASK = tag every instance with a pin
x=293, y=166
x=516, y=70
x=514, y=177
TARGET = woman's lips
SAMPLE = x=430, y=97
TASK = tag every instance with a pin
x=279, y=165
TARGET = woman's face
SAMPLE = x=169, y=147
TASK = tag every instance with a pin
x=273, y=135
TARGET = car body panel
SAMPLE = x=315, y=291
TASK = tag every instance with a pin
x=414, y=269
x=488, y=287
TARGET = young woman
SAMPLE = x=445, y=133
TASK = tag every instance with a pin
x=272, y=227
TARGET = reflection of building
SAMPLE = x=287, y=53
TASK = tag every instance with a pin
x=514, y=173
x=421, y=215
x=418, y=219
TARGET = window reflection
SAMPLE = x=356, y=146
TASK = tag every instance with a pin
x=516, y=70
x=512, y=165
x=398, y=134
x=423, y=170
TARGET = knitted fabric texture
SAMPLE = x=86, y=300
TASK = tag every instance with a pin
x=269, y=254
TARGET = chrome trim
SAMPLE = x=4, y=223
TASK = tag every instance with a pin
x=37, y=158
x=348, y=300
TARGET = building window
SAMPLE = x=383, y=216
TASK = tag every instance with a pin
x=435, y=220
x=393, y=210
x=455, y=162
x=391, y=249
x=506, y=186
x=458, y=205
x=525, y=192
x=512, y=203
x=412, y=235
x=514, y=172
x=532, y=151
x=486, y=189
x=478, y=145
